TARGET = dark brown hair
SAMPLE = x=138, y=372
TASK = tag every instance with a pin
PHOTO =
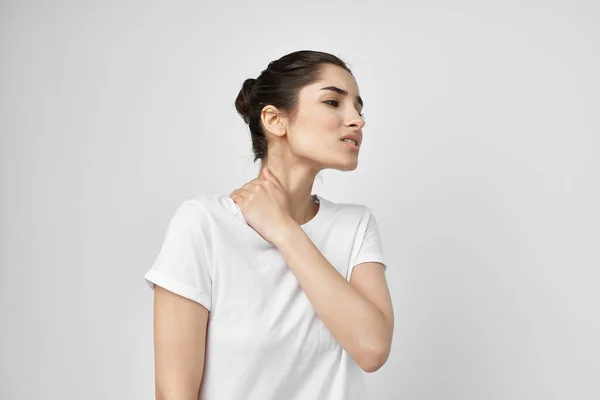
x=279, y=85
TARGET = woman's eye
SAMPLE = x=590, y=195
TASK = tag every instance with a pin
x=336, y=103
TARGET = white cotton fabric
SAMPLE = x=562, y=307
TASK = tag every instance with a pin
x=264, y=339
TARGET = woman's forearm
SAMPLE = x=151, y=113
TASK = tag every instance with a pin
x=355, y=322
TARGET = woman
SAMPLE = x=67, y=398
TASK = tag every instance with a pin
x=273, y=292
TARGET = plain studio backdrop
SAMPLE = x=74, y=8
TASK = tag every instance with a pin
x=480, y=162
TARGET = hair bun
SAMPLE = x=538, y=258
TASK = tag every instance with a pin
x=243, y=101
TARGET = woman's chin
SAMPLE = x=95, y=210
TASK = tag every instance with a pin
x=349, y=165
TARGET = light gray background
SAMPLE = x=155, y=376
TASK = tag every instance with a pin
x=480, y=161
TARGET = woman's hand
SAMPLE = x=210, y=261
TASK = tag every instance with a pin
x=264, y=205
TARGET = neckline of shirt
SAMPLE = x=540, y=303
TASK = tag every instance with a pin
x=319, y=215
x=306, y=226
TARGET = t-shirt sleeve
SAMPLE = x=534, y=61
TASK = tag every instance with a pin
x=370, y=247
x=182, y=264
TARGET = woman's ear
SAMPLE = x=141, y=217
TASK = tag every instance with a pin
x=273, y=120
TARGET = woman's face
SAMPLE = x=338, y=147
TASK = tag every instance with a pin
x=324, y=116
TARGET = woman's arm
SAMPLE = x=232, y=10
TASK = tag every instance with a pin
x=358, y=314
x=179, y=345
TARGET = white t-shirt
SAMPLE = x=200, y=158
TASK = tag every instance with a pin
x=264, y=339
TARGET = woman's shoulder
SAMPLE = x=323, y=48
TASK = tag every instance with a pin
x=195, y=208
x=347, y=208
x=206, y=201
x=212, y=205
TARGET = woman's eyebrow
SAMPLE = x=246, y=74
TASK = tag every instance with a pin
x=343, y=93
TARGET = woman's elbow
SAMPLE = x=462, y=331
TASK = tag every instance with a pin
x=373, y=359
